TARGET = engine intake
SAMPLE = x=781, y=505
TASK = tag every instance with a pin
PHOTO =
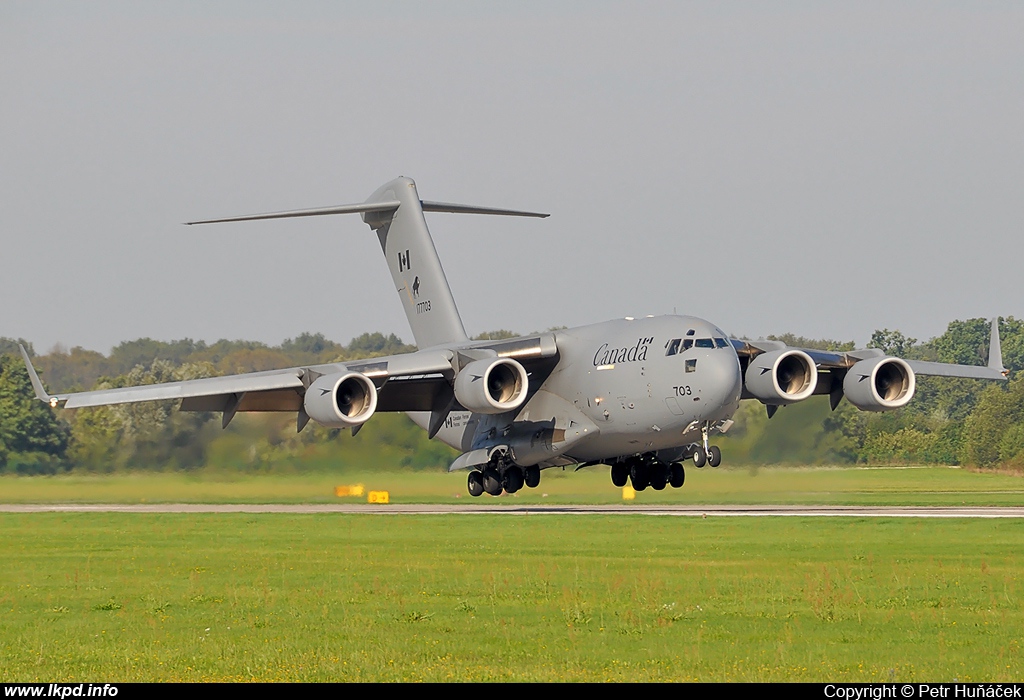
x=491, y=386
x=341, y=400
x=781, y=377
x=880, y=384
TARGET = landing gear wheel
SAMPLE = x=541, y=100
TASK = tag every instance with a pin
x=714, y=456
x=677, y=475
x=700, y=457
x=620, y=474
x=475, y=483
x=512, y=479
x=492, y=481
x=532, y=477
x=659, y=477
x=639, y=475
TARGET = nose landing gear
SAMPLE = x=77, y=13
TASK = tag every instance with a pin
x=703, y=453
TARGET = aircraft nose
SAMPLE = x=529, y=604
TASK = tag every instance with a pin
x=725, y=381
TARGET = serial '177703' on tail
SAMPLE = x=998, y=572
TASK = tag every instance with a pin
x=641, y=395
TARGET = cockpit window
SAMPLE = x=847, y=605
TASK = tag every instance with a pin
x=673, y=347
x=721, y=342
x=705, y=343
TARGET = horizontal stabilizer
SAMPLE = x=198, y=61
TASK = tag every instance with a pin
x=371, y=207
x=323, y=211
x=469, y=209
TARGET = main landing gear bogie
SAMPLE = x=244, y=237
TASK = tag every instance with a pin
x=493, y=480
x=647, y=470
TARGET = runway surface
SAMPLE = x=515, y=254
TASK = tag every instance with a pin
x=498, y=509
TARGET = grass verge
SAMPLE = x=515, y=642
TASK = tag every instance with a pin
x=116, y=597
x=877, y=486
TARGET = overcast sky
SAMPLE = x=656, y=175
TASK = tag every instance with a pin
x=816, y=168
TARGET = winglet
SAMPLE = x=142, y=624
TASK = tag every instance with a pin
x=36, y=384
x=995, y=352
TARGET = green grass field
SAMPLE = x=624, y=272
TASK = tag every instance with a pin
x=123, y=597
x=880, y=486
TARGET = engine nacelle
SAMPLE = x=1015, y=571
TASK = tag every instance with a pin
x=494, y=385
x=880, y=384
x=341, y=400
x=781, y=377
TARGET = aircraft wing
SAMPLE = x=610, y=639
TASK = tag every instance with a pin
x=776, y=374
x=273, y=390
x=212, y=386
x=418, y=381
x=828, y=360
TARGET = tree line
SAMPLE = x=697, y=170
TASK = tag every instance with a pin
x=950, y=421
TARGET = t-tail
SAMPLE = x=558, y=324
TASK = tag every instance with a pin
x=395, y=212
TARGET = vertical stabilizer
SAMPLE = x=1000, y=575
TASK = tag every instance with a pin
x=395, y=212
x=415, y=267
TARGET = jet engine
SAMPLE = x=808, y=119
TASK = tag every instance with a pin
x=781, y=377
x=493, y=385
x=341, y=400
x=880, y=384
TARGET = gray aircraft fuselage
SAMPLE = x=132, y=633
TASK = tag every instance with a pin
x=633, y=380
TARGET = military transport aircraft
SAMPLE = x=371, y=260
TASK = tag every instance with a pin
x=639, y=394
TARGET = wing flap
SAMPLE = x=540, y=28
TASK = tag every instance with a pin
x=250, y=402
x=412, y=394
